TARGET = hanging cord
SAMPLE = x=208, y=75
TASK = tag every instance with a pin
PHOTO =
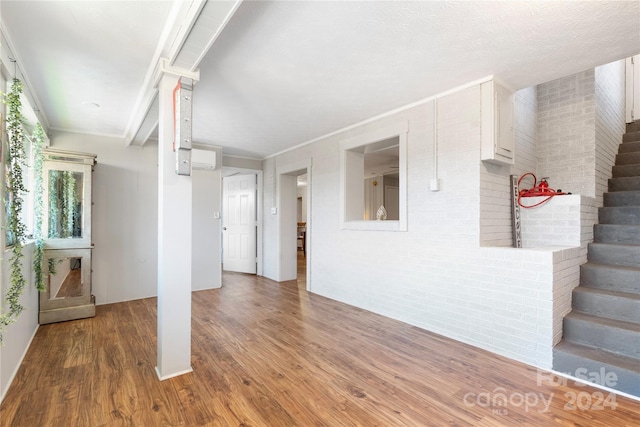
x=538, y=190
x=435, y=138
x=31, y=97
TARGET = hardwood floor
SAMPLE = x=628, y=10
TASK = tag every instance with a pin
x=72, y=285
x=269, y=354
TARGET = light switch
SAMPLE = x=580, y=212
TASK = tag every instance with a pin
x=216, y=215
x=274, y=211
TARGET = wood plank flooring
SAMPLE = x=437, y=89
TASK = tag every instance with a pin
x=72, y=285
x=270, y=354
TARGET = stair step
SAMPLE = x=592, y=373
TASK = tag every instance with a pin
x=606, y=253
x=627, y=158
x=633, y=126
x=622, y=198
x=608, y=304
x=629, y=147
x=617, y=234
x=629, y=215
x=616, y=336
x=620, y=171
x=610, y=277
x=580, y=361
x=624, y=184
x=631, y=136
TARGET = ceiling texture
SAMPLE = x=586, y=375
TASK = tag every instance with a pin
x=276, y=74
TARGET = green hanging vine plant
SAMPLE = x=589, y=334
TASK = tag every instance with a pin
x=63, y=204
x=69, y=202
x=38, y=205
x=16, y=188
x=54, y=204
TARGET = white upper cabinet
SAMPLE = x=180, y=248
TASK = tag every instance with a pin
x=497, y=134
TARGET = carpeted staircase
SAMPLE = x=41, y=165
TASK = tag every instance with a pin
x=603, y=329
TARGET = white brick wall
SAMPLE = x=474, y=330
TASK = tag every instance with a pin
x=566, y=133
x=610, y=118
x=495, y=195
x=18, y=335
x=564, y=221
x=526, y=130
x=435, y=275
x=566, y=276
x=558, y=222
x=580, y=125
x=442, y=274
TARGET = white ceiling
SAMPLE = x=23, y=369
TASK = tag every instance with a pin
x=283, y=73
x=77, y=53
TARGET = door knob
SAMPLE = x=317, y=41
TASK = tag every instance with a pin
x=224, y=228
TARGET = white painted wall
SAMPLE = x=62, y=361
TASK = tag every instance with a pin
x=18, y=335
x=581, y=122
x=526, y=130
x=287, y=209
x=439, y=275
x=566, y=133
x=563, y=221
x=558, y=222
x=125, y=219
x=207, y=248
x=302, y=194
x=124, y=216
x=610, y=121
x=495, y=198
x=241, y=162
x=270, y=255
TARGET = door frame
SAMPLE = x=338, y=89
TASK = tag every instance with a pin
x=259, y=190
x=303, y=166
x=632, y=88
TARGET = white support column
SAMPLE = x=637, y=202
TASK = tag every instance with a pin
x=174, y=246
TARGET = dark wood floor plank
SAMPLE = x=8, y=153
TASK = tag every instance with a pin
x=271, y=354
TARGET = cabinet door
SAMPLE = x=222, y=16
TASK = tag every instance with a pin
x=504, y=144
x=497, y=137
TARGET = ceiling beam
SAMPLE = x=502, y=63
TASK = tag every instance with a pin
x=191, y=30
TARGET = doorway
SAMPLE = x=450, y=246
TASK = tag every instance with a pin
x=241, y=221
x=294, y=223
x=301, y=233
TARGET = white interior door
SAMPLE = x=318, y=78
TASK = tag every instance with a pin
x=239, y=225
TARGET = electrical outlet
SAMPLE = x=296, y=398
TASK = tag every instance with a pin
x=274, y=211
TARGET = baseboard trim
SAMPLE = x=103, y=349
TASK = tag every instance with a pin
x=175, y=374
